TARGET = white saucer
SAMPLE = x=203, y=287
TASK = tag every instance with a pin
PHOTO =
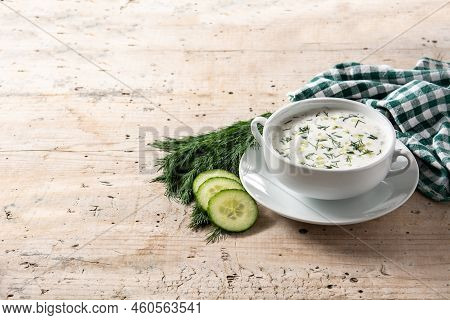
x=265, y=188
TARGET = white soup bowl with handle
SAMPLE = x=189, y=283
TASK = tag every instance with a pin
x=336, y=183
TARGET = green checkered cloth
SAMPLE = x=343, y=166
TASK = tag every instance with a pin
x=417, y=102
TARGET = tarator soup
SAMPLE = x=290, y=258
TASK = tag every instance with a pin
x=329, y=139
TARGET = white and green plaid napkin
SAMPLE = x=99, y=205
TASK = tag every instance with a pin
x=416, y=101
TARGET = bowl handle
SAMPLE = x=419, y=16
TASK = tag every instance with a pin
x=400, y=153
x=255, y=131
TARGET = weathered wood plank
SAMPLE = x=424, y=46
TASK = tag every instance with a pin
x=78, y=218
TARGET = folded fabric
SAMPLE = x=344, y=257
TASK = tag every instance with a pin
x=416, y=101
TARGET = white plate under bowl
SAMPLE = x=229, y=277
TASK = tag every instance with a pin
x=265, y=188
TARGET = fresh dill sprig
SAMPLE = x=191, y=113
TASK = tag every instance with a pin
x=336, y=143
x=358, y=121
x=187, y=157
x=199, y=218
x=286, y=139
x=349, y=117
x=304, y=129
x=323, y=111
x=315, y=146
x=215, y=235
x=357, y=145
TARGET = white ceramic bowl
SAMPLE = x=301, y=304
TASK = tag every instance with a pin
x=329, y=184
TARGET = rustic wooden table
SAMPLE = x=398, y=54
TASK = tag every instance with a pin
x=81, y=80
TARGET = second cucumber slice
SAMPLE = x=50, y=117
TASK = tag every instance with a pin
x=211, y=186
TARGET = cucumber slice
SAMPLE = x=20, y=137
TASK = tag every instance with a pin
x=211, y=186
x=202, y=177
x=232, y=210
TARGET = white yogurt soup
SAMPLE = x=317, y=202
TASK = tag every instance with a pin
x=329, y=139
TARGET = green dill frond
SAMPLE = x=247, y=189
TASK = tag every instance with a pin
x=304, y=129
x=215, y=235
x=186, y=157
x=357, y=145
x=199, y=218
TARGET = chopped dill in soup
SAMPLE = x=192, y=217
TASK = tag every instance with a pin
x=329, y=139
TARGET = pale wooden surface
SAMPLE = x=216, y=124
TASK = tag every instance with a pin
x=78, y=219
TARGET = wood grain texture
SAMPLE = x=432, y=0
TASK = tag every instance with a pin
x=79, y=217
